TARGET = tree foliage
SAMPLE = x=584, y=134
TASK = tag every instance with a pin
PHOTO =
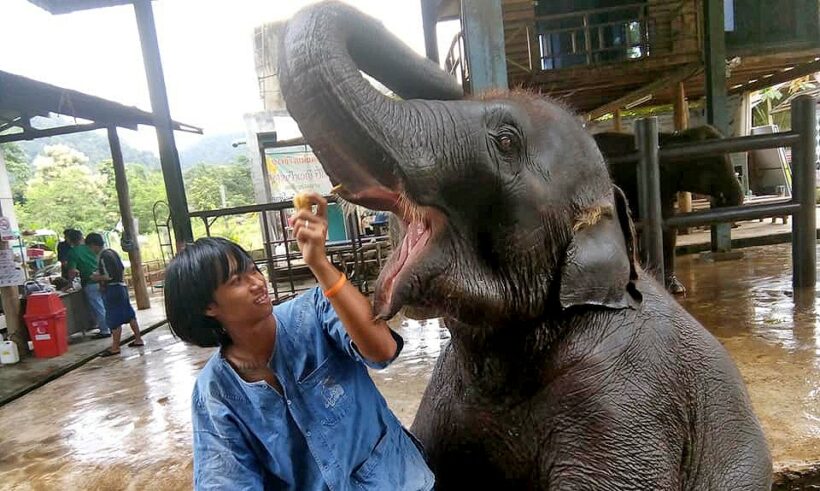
x=64, y=192
x=19, y=170
x=61, y=189
x=203, y=183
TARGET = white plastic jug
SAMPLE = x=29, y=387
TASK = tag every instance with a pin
x=8, y=353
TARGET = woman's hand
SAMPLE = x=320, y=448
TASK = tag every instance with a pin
x=310, y=231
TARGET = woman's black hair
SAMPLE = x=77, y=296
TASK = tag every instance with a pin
x=191, y=279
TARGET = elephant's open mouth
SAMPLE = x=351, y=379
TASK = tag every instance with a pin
x=402, y=275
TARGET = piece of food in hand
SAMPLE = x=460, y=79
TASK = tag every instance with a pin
x=301, y=201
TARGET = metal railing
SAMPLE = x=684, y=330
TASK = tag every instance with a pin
x=801, y=206
x=351, y=255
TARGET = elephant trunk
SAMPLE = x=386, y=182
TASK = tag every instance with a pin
x=359, y=135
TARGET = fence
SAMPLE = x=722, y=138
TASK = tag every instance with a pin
x=802, y=139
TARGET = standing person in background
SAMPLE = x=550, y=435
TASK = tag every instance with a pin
x=62, y=252
x=118, y=310
x=82, y=261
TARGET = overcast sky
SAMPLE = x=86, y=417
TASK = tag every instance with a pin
x=206, y=48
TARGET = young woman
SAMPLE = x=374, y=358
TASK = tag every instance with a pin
x=286, y=402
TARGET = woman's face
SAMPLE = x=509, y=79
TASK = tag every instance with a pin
x=242, y=299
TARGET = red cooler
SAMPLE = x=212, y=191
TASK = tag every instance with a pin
x=45, y=317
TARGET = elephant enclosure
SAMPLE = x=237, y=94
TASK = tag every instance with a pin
x=140, y=433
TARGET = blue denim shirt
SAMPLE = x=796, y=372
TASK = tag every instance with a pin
x=329, y=429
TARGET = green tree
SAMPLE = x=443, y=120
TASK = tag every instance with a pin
x=64, y=192
x=19, y=170
x=145, y=187
x=203, y=185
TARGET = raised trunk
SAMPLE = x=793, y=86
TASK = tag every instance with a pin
x=356, y=132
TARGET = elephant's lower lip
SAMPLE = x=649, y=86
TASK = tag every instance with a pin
x=393, y=287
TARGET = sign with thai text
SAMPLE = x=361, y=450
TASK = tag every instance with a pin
x=294, y=169
x=11, y=272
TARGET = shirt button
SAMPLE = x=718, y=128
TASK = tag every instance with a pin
x=307, y=433
x=289, y=402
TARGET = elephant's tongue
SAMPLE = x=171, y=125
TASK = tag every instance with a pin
x=415, y=239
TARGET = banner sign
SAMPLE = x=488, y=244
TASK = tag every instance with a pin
x=294, y=169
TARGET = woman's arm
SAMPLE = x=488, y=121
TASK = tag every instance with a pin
x=372, y=337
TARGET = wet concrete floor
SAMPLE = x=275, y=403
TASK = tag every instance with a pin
x=124, y=423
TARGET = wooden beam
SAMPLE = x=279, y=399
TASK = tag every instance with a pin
x=673, y=78
x=168, y=153
x=32, y=133
x=617, y=123
x=779, y=78
x=124, y=200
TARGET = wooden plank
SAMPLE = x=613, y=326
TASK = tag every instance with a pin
x=779, y=77
x=672, y=78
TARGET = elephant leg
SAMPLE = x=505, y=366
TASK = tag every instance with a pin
x=673, y=285
x=670, y=239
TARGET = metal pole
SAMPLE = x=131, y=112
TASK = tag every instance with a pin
x=168, y=155
x=804, y=158
x=131, y=232
x=649, y=194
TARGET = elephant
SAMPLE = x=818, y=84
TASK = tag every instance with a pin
x=568, y=366
x=712, y=175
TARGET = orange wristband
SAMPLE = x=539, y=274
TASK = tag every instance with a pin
x=333, y=290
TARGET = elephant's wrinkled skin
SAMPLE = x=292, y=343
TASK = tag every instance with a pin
x=568, y=368
x=711, y=175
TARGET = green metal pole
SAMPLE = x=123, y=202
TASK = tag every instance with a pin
x=714, y=51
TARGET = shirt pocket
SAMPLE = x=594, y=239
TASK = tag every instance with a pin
x=327, y=390
x=394, y=463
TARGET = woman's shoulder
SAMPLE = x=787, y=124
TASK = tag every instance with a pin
x=291, y=312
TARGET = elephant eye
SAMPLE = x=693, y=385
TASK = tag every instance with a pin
x=505, y=143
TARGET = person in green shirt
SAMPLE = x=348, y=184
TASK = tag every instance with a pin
x=83, y=261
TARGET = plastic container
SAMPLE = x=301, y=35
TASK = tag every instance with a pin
x=8, y=353
x=46, y=320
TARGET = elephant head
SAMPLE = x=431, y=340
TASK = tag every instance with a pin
x=507, y=204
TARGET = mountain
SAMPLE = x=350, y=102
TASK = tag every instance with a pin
x=94, y=144
x=212, y=149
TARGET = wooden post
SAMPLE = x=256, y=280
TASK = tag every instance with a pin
x=680, y=112
x=134, y=255
x=617, y=124
x=168, y=154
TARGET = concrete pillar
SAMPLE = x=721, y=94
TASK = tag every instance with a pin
x=483, y=30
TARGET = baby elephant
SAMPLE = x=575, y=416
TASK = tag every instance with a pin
x=569, y=367
x=711, y=175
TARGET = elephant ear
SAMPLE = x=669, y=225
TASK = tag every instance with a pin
x=600, y=264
